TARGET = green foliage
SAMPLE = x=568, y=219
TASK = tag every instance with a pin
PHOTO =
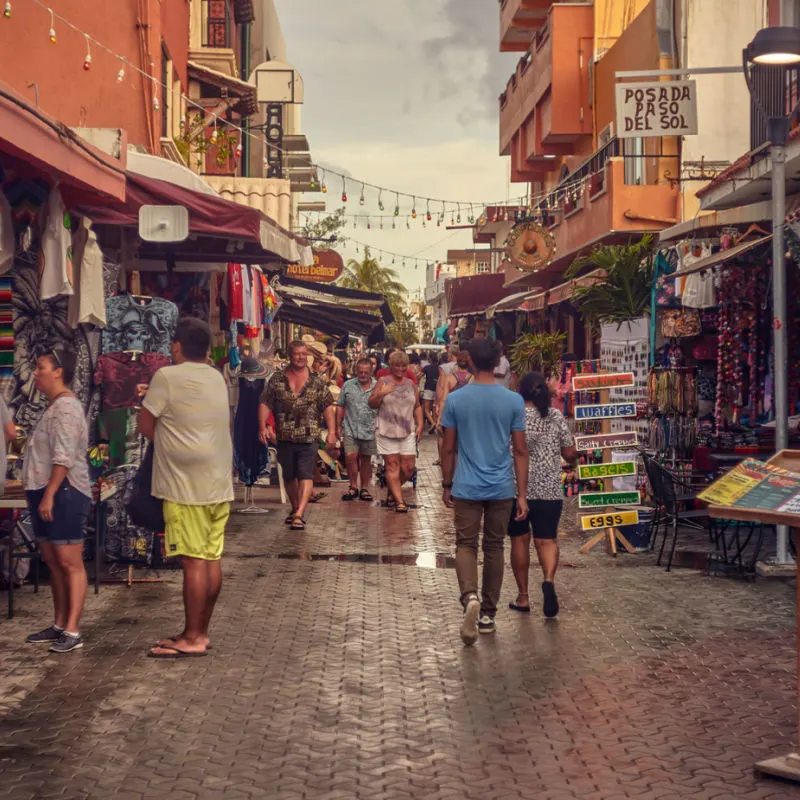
x=324, y=228
x=403, y=331
x=369, y=275
x=624, y=295
x=537, y=352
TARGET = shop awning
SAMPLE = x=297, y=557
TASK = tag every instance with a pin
x=511, y=303
x=338, y=296
x=565, y=291
x=332, y=319
x=32, y=144
x=721, y=257
x=475, y=293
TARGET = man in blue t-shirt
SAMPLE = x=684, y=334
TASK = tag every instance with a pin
x=478, y=421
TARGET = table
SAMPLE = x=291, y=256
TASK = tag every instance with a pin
x=21, y=503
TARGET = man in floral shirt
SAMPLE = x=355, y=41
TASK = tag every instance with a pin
x=300, y=400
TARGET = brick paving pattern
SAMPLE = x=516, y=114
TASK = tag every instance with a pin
x=338, y=672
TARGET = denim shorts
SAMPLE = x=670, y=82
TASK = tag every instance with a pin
x=70, y=511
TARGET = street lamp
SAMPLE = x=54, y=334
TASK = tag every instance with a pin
x=777, y=47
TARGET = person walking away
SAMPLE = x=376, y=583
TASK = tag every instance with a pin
x=549, y=440
x=447, y=365
x=59, y=494
x=479, y=420
x=355, y=426
x=431, y=375
x=185, y=413
x=502, y=372
x=459, y=376
x=399, y=426
x=299, y=400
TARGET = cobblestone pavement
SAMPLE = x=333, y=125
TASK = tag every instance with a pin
x=338, y=673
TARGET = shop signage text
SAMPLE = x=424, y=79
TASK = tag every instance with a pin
x=656, y=109
x=593, y=522
x=600, y=499
x=611, y=380
x=328, y=266
x=607, y=411
x=591, y=471
x=603, y=441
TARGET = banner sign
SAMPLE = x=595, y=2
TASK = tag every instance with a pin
x=588, y=472
x=667, y=108
x=601, y=499
x=607, y=411
x=604, y=441
x=593, y=522
x=615, y=380
x=328, y=266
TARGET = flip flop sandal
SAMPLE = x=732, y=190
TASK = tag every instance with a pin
x=521, y=609
x=174, y=653
x=174, y=640
x=401, y=508
x=298, y=524
x=289, y=519
x=350, y=494
x=315, y=498
x=365, y=496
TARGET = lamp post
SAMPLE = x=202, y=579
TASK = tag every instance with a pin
x=779, y=46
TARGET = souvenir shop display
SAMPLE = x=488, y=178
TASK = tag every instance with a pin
x=672, y=399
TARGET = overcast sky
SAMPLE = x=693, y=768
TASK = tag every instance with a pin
x=403, y=94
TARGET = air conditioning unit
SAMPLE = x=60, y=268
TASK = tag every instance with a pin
x=605, y=136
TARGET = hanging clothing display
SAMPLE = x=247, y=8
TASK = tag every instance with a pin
x=190, y=291
x=87, y=304
x=56, y=264
x=144, y=324
x=118, y=375
x=250, y=457
x=119, y=428
x=125, y=543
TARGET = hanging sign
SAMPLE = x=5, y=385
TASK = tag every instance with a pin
x=667, y=108
x=327, y=267
x=588, y=472
x=607, y=411
x=530, y=246
x=611, y=380
x=593, y=522
x=602, y=499
x=604, y=441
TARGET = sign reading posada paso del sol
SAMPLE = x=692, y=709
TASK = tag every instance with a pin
x=668, y=108
x=327, y=267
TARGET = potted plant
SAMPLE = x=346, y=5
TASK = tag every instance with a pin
x=537, y=352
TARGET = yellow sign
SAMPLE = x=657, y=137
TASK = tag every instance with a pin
x=595, y=522
x=736, y=483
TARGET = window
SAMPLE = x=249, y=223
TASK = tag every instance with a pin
x=481, y=267
x=634, y=161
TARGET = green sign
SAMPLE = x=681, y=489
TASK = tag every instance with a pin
x=589, y=471
x=600, y=499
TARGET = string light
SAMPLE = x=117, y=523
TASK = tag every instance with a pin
x=397, y=204
x=344, y=190
x=428, y=212
x=121, y=76
x=7, y=9
x=238, y=150
x=380, y=201
x=87, y=62
x=324, y=187
x=52, y=32
x=214, y=133
x=156, y=104
x=361, y=199
x=414, y=208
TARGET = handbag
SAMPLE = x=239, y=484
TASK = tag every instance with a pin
x=680, y=322
x=144, y=509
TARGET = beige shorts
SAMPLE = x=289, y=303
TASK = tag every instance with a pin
x=396, y=447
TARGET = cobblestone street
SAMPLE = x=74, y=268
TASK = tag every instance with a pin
x=338, y=672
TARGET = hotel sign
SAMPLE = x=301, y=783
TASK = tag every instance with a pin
x=667, y=108
x=327, y=267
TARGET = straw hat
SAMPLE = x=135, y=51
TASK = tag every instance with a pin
x=307, y=338
x=318, y=349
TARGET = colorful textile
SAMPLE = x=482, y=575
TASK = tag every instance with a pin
x=147, y=325
x=189, y=291
x=297, y=417
x=196, y=531
x=125, y=543
x=119, y=427
x=118, y=374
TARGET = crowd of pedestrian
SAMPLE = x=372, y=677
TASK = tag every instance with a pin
x=500, y=453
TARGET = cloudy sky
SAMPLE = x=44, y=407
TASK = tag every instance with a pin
x=404, y=95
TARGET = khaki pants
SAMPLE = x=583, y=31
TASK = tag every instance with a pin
x=468, y=516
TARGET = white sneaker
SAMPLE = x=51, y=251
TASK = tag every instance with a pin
x=486, y=624
x=469, y=625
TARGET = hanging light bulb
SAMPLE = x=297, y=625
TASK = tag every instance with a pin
x=471, y=217
x=238, y=150
x=439, y=221
x=52, y=32
x=381, y=223
x=7, y=9
x=458, y=218
x=369, y=225
x=380, y=200
x=324, y=187
x=394, y=225
x=344, y=190
x=214, y=133
x=505, y=215
x=355, y=222
x=428, y=212
x=414, y=208
x=156, y=104
x=361, y=200
x=397, y=205
x=87, y=62
x=121, y=77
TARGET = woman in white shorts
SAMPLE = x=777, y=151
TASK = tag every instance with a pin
x=398, y=427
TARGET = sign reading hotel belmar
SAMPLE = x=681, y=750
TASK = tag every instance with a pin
x=668, y=108
x=328, y=266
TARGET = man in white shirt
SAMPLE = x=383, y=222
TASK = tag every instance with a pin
x=185, y=412
x=502, y=372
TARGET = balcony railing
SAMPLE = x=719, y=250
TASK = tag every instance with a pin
x=218, y=24
x=777, y=87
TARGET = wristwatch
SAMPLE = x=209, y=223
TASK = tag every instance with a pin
x=446, y=485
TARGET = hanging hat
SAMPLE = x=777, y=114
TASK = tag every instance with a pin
x=251, y=368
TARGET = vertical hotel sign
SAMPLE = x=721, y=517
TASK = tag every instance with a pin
x=668, y=108
x=327, y=267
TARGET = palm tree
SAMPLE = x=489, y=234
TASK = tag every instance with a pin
x=369, y=276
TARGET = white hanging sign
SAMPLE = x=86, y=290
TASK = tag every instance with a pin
x=667, y=108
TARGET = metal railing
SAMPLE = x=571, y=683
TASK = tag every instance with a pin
x=777, y=87
x=218, y=23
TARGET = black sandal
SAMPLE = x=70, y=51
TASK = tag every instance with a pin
x=401, y=508
x=365, y=496
x=298, y=524
x=350, y=494
x=288, y=520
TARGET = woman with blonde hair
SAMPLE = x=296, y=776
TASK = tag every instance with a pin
x=398, y=427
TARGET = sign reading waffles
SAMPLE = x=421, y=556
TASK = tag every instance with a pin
x=611, y=380
x=327, y=267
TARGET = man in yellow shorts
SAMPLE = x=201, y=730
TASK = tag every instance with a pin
x=185, y=412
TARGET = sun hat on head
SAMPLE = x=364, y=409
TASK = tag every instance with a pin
x=317, y=349
x=307, y=338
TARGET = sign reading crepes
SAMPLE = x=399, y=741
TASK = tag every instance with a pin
x=328, y=266
x=601, y=441
x=668, y=108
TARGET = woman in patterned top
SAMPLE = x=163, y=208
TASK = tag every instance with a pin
x=549, y=440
